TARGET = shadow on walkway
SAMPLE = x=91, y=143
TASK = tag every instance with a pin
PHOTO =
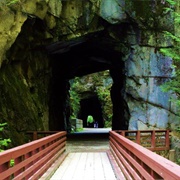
x=89, y=140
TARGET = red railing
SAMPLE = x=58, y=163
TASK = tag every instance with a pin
x=154, y=140
x=39, y=134
x=137, y=162
x=31, y=160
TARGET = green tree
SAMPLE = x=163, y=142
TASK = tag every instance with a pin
x=173, y=84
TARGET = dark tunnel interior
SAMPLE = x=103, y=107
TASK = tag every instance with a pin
x=76, y=58
x=91, y=106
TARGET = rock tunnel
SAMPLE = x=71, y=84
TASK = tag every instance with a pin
x=46, y=44
x=79, y=57
x=91, y=106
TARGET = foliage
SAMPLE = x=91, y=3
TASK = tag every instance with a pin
x=6, y=3
x=98, y=84
x=3, y=142
x=105, y=98
x=10, y=2
x=103, y=83
x=74, y=98
x=173, y=84
x=79, y=129
x=12, y=163
x=178, y=129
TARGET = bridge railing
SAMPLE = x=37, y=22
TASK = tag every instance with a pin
x=34, y=135
x=137, y=162
x=154, y=140
x=31, y=160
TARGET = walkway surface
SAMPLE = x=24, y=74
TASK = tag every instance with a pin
x=85, y=166
x=88, y=157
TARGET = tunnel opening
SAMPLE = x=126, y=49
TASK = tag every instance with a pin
x=91, y=106
x=77, y=58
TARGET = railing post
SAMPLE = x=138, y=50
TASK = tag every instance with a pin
x=122, y=133
x=153, y=139
x=138, y=137
x=167, y=139
x=35, y=135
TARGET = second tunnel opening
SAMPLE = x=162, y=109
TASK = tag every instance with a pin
x=77, y=58
x=91, y=106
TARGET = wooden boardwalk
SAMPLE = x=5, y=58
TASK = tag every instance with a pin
x=85, y=166
x=88, y=158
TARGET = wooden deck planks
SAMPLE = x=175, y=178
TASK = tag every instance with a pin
x=85, y=166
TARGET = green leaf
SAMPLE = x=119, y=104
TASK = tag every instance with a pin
x=12, y=163
x=171, y=2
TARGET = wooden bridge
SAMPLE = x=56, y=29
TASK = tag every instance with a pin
x=47, y=158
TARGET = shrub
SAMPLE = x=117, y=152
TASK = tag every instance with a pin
x=3, y=142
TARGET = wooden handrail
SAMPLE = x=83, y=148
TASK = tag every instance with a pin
x=36, y=134
x=139, y=163
x=31, y=160
x=154, y=140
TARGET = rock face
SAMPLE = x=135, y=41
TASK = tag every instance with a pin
x=149, y=105
x=134, y=29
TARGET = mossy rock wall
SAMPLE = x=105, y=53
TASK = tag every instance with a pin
x=24, y=96
x=27, y=27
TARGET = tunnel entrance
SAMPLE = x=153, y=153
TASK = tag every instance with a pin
x=91, y=106
x=77, y=58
